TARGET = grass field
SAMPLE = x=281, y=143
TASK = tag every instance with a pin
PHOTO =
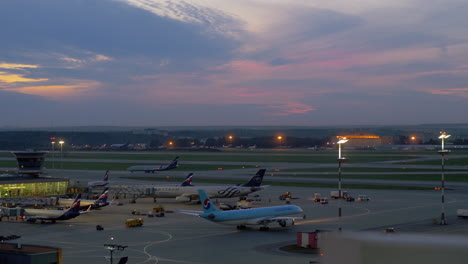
x=448, y=162
x=347, y=169
x=410, y=177
x=221, y=156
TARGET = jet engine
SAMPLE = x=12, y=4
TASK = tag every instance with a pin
x=183, y=198
x=286, y=222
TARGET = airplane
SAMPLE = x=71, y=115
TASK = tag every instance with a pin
x=188, y=192
x=254, y=216
x=32, y=215
x=101, y=201
x=153, y=168
x=102, y=183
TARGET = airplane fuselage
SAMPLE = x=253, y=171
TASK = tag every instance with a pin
x=251, y=216
x=52, y=215
x=213, y=191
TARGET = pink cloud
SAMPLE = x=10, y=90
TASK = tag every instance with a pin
x=462, y=92
x=290, y=108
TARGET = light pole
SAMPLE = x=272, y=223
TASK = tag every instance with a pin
x=112, y=248
x=53, y=153
x=280, y=138
x=341, y=159
x=61, y=153
x=230, y=140
x=443, y=152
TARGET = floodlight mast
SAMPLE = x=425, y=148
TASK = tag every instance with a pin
x=443, y=152
x=341, y=159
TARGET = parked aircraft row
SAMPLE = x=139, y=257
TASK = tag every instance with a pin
x=187, y=192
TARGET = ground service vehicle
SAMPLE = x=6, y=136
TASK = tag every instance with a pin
x=285, y=196
x=336, y=194
x=363, y=197
x=158, y=211
x=134, y=222
x=317, y=197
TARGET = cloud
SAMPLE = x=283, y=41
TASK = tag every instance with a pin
x=78, y=89
x=14, y=78
x=16, y=66
x=290, y=108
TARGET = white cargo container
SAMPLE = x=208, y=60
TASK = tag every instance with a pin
x=336, y=194
x=462, y=213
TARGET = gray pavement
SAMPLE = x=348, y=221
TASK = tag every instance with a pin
x=179, y=238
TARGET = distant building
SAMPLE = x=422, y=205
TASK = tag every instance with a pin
x=363, y=139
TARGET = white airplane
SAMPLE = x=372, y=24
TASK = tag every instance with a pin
x=101, y=201
x=102, y=183
x=241, y=218
x=153, y=168
x=32, y=215
x=186, y=192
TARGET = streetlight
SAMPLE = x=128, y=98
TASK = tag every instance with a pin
x=341, y=159
x=61, y=153
x=112, y=248
x=280, y=138
x=443, y=152
x=53, y=152
x=230, y=140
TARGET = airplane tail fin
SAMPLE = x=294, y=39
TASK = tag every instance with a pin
x=173, y=163
x=75, y=208
x=103, y=197
x=187, y=181
x=207, y=204
x=106, y=176
x=256, y=180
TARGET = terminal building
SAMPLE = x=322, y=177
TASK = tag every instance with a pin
x=363, y=139
x=28, y=182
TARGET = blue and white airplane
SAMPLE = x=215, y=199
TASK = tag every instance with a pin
x=255, y=216
x=154, y=168
x=32, y=215
x=102, y=183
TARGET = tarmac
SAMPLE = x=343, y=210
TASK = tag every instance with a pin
x=179, y=238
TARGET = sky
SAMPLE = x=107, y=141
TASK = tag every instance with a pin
x=245, y=62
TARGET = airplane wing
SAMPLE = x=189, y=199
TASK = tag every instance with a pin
x=87, y=210
x=190, y=212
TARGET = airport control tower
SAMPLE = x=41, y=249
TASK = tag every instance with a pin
x=30, y=163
